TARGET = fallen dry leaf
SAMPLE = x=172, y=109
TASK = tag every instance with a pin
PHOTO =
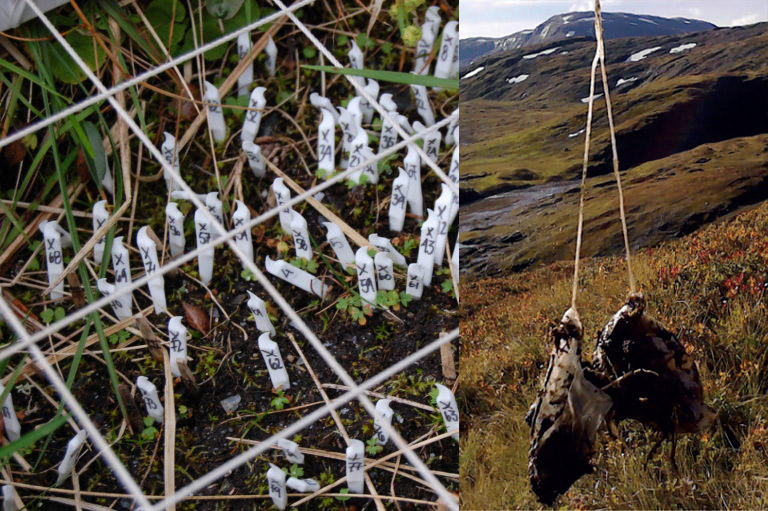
x=197, y=318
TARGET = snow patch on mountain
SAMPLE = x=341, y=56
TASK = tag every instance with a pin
x=622, y=81
x=637, y=57
x=517, y=79
x=682, y=48
x=545, y=52
x=473, y=72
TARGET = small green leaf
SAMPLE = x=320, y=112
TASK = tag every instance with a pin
x=47, y=315
x=309, y=52
x=345, y=491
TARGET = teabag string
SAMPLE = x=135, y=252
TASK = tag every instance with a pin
x=600, y=56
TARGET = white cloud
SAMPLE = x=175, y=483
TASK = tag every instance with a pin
x=695, y=11
x=746, y=20
x=583, y=5
x=490, y=28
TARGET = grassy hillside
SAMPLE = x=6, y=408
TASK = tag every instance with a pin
x=710, y=289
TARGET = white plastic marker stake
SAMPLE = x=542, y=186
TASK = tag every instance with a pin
x=427, y=244
x=415, y=280
x=356, y=62
x=428, y=34
x=215, y=113
x=433, y=17
x=355, y=458
x=215, y=206
x=241, y=216
x=348, y=133
x=412, y=165
x=151, y=400
x=70, y=456
x=255, y=158
x=300, y=236
x=296, y=276
x=260, y=316
x=276, y=482
x=282, y=195
x=9, y=500
x=373, y=89
x=175, y=219
x=398, y=201
x=453, y=175
x=203, y=236
x=448, y=48
x=446, y=403
x=117, y=306
x=156, y=284
x=291, y=451
x=271, y=353
x=423, y=106
x=339, y=244
x=359, y=153
x=121, y=265
x=385, y=413
x=431, y=141
x=326, y=144
x=388, y=135
x=385, y=279
x=172, y=158
x=243, y=48
x=443, y=209
x=366, y=280
x=323, y=103
x=253, y=115
x=108, y=182
x=54, y=239
x=455, y=256
x=177, y=336
x=270, y=50
x=302, y=485
x=385, y=245
x=355, y=109
x=12, y=426
x=100, y=216
x=451, y=131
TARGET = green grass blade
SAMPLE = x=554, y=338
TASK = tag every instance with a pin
x=32, y=437
x=390, y=76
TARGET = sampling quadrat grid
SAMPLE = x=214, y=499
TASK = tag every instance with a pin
x=27, y=341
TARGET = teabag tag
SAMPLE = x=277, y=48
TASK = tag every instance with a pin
x=121, y=265
x=455, y=256
x=339, y=244
x=398, y=201
x=453, y=175
x=215, y=207
x=74, y=446
x=302, y=485
x=259, y=309
x=355, y=461
x=427, y=244
x=215, y=113
x=431, y=141
x=11, y=421
x=300, y=236
x=326, y=144
x=448, y=47
x=388, y=135
x=291, y=451
x=241, y=217
x=412, y=166
x=446, y=403
x=366, y=279
x=385, y=417
x=451, y=132
x=203, y=236
x=359, y=154
x=355, y=109
x=296, y=276
x=151, y=399
x=423, y=106
x=270, y=50
x=373, y=90
x=356, y=62
x=276, y=482
x=385, y=278
x=171, y=157
x=54, y=239
x=415, y=281
x=443, y=210
x=433, y=18
x=177, y=337
x=425, y=44
x=107, y=289
x=282, y=195
x=255, y=158
x=253, y=115
x=274, y=361
x=385, y=245
x=100, y=216
x=243, y=48
x=175, y=219
x=9, y=500
x=348, y=133
x=156, y=283
x=323, y=103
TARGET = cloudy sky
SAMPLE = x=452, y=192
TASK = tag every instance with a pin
x=496, y=18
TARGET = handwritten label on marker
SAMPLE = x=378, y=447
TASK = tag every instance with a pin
x=107, y=289
x=121, y=265
x=271, y=353
x=215, y=206
x=427, y=246
x=156, y=284
x=151, y=399
x=356, y=61
x=443, y=211
x=175, y=220
x=385, y=278
x=398, y=201
x=433, y=17
x=373, y=90
x=339, y=244
x=453, y=175
x=366, y=279
x=255, y=158
x=243, y=49
x=326, y=144
x=74, y=446
x=11, y=421
x=424, y=46
x=171, y=157
x=215, y=113
x=415, y=280
x=446, y=403
x=282, y=195
x=450, y=134
x=270, y=50
x=355, y=458
x=259, y=309
x=100, y=216
x=253, y=115
x=448, y=46
x=291, y=451
x=412, y=166
x=423, y=106
x=300, y=236
x=203, y=235
x=240, y=217
x=388, y=135
x=431, y=141
x=359, y=154
x=177, y=339
x=276, y=482
x=54, y=239
x=385, y=245
x=385, y=417
x=302, y=485
x=296, y=276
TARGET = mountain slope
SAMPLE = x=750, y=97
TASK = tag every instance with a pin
x=579, y=24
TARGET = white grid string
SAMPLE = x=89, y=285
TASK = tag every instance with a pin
x=356, y=391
